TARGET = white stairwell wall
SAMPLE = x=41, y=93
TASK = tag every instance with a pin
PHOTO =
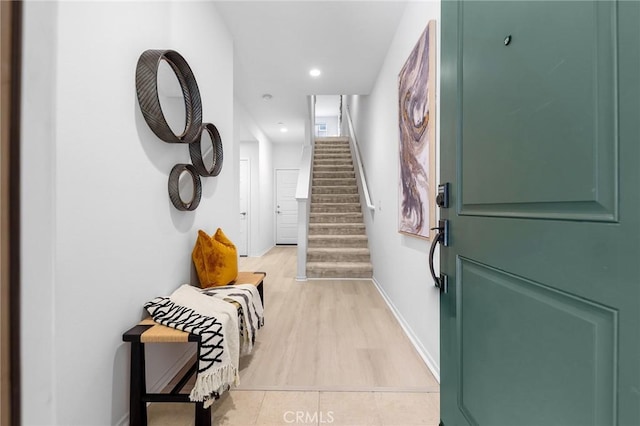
x=303, y=190
x=400, y=262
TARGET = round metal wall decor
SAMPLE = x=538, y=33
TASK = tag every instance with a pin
x=195, y=151
x=147, y=90
x=174, y=187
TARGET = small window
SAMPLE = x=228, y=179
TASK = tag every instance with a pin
x=321, y=129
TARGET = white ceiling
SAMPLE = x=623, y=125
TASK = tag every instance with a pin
x=276, y=43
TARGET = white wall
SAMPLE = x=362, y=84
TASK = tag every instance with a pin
x=100, y=236
x=287, y=156
x=37, y=212
x=409, y=289
x=259, y=149
x=332, y=123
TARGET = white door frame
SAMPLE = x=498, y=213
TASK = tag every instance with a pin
x=248, y=199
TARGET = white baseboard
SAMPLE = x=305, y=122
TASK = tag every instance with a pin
x=422, y=351
x=164, y=380
x=265, y=251
x=124, y=421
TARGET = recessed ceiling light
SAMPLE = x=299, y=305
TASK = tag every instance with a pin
x=315, y=72
x=284, y=129
x=267, y=97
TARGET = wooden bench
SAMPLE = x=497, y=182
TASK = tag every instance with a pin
x=148, y=331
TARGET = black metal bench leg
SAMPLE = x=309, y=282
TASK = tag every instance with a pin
x=137, y=387
x=203, y=415
x=261, y=292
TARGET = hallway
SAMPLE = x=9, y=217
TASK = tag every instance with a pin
x=329, y=347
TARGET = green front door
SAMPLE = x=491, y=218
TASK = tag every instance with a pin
x=540, y=140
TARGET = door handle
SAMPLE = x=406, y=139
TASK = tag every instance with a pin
x=243, y=213
x=278, y=211
x=441, y=237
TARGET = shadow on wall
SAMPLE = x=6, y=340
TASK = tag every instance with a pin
x=162, y=155
x=417, y=244
x=182, y=221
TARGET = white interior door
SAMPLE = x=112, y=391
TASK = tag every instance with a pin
x=286, y=206
x=245, y=190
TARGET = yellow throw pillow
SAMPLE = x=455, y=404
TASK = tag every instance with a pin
x=215, y=259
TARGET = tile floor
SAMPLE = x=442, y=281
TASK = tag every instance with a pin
x=273, y=408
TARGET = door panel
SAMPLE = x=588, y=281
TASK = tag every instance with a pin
x=552, y=95
x=286, y=206
x=540, y=140
x=550, y=327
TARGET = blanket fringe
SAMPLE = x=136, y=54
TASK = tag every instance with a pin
x=210, y=385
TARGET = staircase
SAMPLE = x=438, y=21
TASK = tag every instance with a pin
x=337, y=245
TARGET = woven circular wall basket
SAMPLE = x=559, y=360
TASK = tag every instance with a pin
x=182, y=175
x=175, y=183
x=195, y=151
x=147, y=90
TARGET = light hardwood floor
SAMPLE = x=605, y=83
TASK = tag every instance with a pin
x=327, y=335
x=331, y=352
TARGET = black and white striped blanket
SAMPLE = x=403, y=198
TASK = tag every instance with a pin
x=252, y=313
x=208, y=314
x=216, y=322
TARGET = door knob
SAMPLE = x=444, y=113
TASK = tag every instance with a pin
x=441, y=237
